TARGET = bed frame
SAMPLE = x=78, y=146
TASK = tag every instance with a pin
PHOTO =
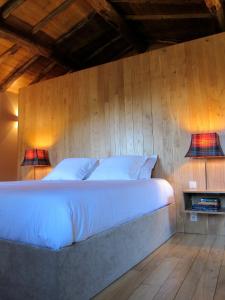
x=81, y=270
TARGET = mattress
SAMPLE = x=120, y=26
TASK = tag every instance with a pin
x=55, y=214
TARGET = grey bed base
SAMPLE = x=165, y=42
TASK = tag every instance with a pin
x=83, y=269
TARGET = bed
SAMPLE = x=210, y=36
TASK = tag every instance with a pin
x=70, y=239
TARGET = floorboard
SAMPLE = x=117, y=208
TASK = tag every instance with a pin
x=186, y=267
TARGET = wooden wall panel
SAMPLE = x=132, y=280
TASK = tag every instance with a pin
x=149, y=103
x=8, y=136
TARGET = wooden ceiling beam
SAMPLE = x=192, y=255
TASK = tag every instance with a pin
x=52, y=14
x=11, y=51
x=112, y=17
x=123, y=52
x=44, y=72
x=9, y=7
x=168, y=17
x=25, y=40
x=216, y=8
x=156, y=44
x=17, y=73
x=180, y=2
x=117, y=55
x=6, y=32
x=77, y=27
x=165, y=42
x=99, y=50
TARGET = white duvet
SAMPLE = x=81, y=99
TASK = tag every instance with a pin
x=56, y=214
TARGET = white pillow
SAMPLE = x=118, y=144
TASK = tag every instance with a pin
x=146, y=170
x=119, y=168
x=72, y=169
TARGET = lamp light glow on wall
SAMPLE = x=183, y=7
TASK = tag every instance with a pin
x=205, y=145
x=36, y=158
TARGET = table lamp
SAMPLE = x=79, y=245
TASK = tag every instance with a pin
x=36, y=158
x=205, y=145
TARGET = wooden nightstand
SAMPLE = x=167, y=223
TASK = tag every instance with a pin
x=194, y=196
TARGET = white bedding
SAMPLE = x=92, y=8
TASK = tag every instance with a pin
x=56, y=214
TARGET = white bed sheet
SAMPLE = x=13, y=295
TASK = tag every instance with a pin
x=58, y=213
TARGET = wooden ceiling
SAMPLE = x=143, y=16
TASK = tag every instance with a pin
x=41, y=39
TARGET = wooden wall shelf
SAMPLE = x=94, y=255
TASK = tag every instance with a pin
x=195, y=195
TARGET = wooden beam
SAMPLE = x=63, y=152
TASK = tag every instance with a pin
x=17, y=73
x=168, y=17
x=11, y=51
x=123, y=52
x=216, y=8
x=6, y=32
x=9, y=7
x=25, y=40
x=112, y=17
x=166, y=42
x=77, y=27
x=156, y=44
x=99, y=50
x=44, y=72
x=113, y=57
x=180, y=2
x=52, y=14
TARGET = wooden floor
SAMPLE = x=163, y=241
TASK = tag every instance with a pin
x=188, y=266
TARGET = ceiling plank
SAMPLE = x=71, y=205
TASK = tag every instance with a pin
x=112, y=17
x=11, y=51
x=168, y=17
x=9, y=7
x=52, y=14
x=44, y=72
x=216, y=8
x=17, y=73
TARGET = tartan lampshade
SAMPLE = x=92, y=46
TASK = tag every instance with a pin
x=36, y=157
x=205, y=145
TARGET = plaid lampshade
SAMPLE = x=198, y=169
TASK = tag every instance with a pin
x=36, y=157
x=205, y=145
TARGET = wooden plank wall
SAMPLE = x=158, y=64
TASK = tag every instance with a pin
x=8, y=136
x=149, y=103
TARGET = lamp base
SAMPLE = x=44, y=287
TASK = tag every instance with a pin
x=206, y=178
